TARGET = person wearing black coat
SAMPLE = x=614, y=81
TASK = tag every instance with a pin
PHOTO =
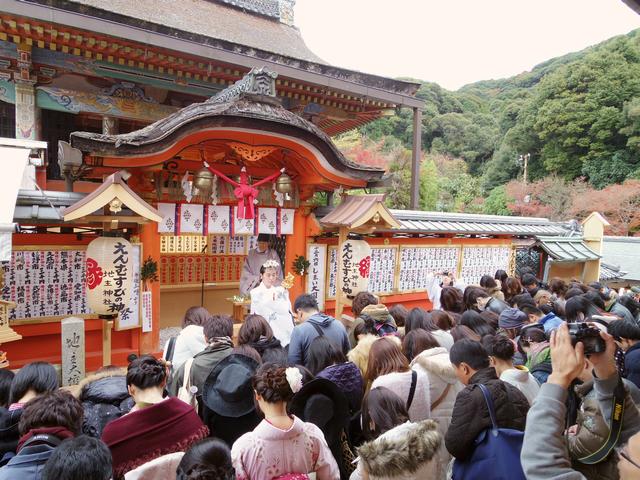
x=628, y=336
x=9, y=434
x=228, y=406
x=104, y=397
x=470, y=414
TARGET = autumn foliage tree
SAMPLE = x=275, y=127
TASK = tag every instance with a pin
x=619, y=203
x=551, y=197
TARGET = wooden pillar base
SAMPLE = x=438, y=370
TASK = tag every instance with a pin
x=107, y=326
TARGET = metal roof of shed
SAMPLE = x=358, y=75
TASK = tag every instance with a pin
x=567, y=249
x=419, y=222
x=623, y=251
x=610, y=272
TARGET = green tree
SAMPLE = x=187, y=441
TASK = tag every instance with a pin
x=496, y=202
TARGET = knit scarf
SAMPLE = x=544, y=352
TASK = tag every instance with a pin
x=59, y=432
x=216, y=342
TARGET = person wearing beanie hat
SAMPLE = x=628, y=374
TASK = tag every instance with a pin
x=250, y=277
x=512, y=320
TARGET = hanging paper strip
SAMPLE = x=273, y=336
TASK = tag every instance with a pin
x=218, y=219
x=267, y=220
x=191, y=219
x=286, y=221
x=242, y=226
x=168, y=223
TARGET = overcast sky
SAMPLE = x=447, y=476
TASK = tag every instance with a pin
x=455, y=42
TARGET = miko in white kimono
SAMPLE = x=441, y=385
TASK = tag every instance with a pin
x=272, y=302
x=257, y=257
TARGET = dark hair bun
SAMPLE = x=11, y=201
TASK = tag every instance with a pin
x=207, y=472
x=146, y=371
x=270, y=382
x=503, y=348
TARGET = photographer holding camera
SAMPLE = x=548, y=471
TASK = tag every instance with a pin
x=544, y=452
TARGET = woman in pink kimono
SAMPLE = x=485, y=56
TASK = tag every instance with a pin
x=281, y=445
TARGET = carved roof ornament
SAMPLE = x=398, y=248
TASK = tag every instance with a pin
x=127, y=90
x=251, y=153
x=259, y=81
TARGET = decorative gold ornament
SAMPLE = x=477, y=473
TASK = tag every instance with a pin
x=288, y=281
x=115, y=206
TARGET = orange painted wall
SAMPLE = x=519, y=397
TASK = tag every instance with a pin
x=42, y=342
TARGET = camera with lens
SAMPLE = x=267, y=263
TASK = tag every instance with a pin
x=588, y=335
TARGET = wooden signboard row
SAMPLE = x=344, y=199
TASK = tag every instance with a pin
x=404, y=268
x=47, y=283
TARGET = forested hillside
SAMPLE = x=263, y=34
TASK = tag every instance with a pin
x=578, y=116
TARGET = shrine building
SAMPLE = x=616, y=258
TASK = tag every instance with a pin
x=186, y=133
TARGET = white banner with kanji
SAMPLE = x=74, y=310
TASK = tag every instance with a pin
x=317, y=257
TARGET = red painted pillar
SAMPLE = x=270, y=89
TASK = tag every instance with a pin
x=150, y=239
x=296, y=245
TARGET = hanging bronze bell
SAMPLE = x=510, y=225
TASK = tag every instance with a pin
x=284, y=184
x=203, y=180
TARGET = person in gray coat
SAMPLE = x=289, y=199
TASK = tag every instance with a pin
x=544, y=451
x=311, y=324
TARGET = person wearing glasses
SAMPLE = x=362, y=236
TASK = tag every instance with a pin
x=544, y=451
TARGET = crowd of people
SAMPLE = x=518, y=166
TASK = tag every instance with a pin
x=511, y=378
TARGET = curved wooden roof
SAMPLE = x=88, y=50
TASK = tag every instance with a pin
x=249, y=104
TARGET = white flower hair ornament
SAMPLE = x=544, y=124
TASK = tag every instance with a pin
x=270, y=264
x=294, y=378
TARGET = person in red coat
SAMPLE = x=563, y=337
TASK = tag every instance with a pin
x=156, y=426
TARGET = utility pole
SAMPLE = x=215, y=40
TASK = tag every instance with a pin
x=524, y=161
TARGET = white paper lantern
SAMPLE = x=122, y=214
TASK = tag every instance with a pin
x=109, y=275
x=356, y=263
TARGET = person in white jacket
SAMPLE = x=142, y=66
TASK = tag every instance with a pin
x=501, y=351
x=428, y=357
x=190, y=341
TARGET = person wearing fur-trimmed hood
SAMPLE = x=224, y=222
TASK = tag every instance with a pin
x=398, y=449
